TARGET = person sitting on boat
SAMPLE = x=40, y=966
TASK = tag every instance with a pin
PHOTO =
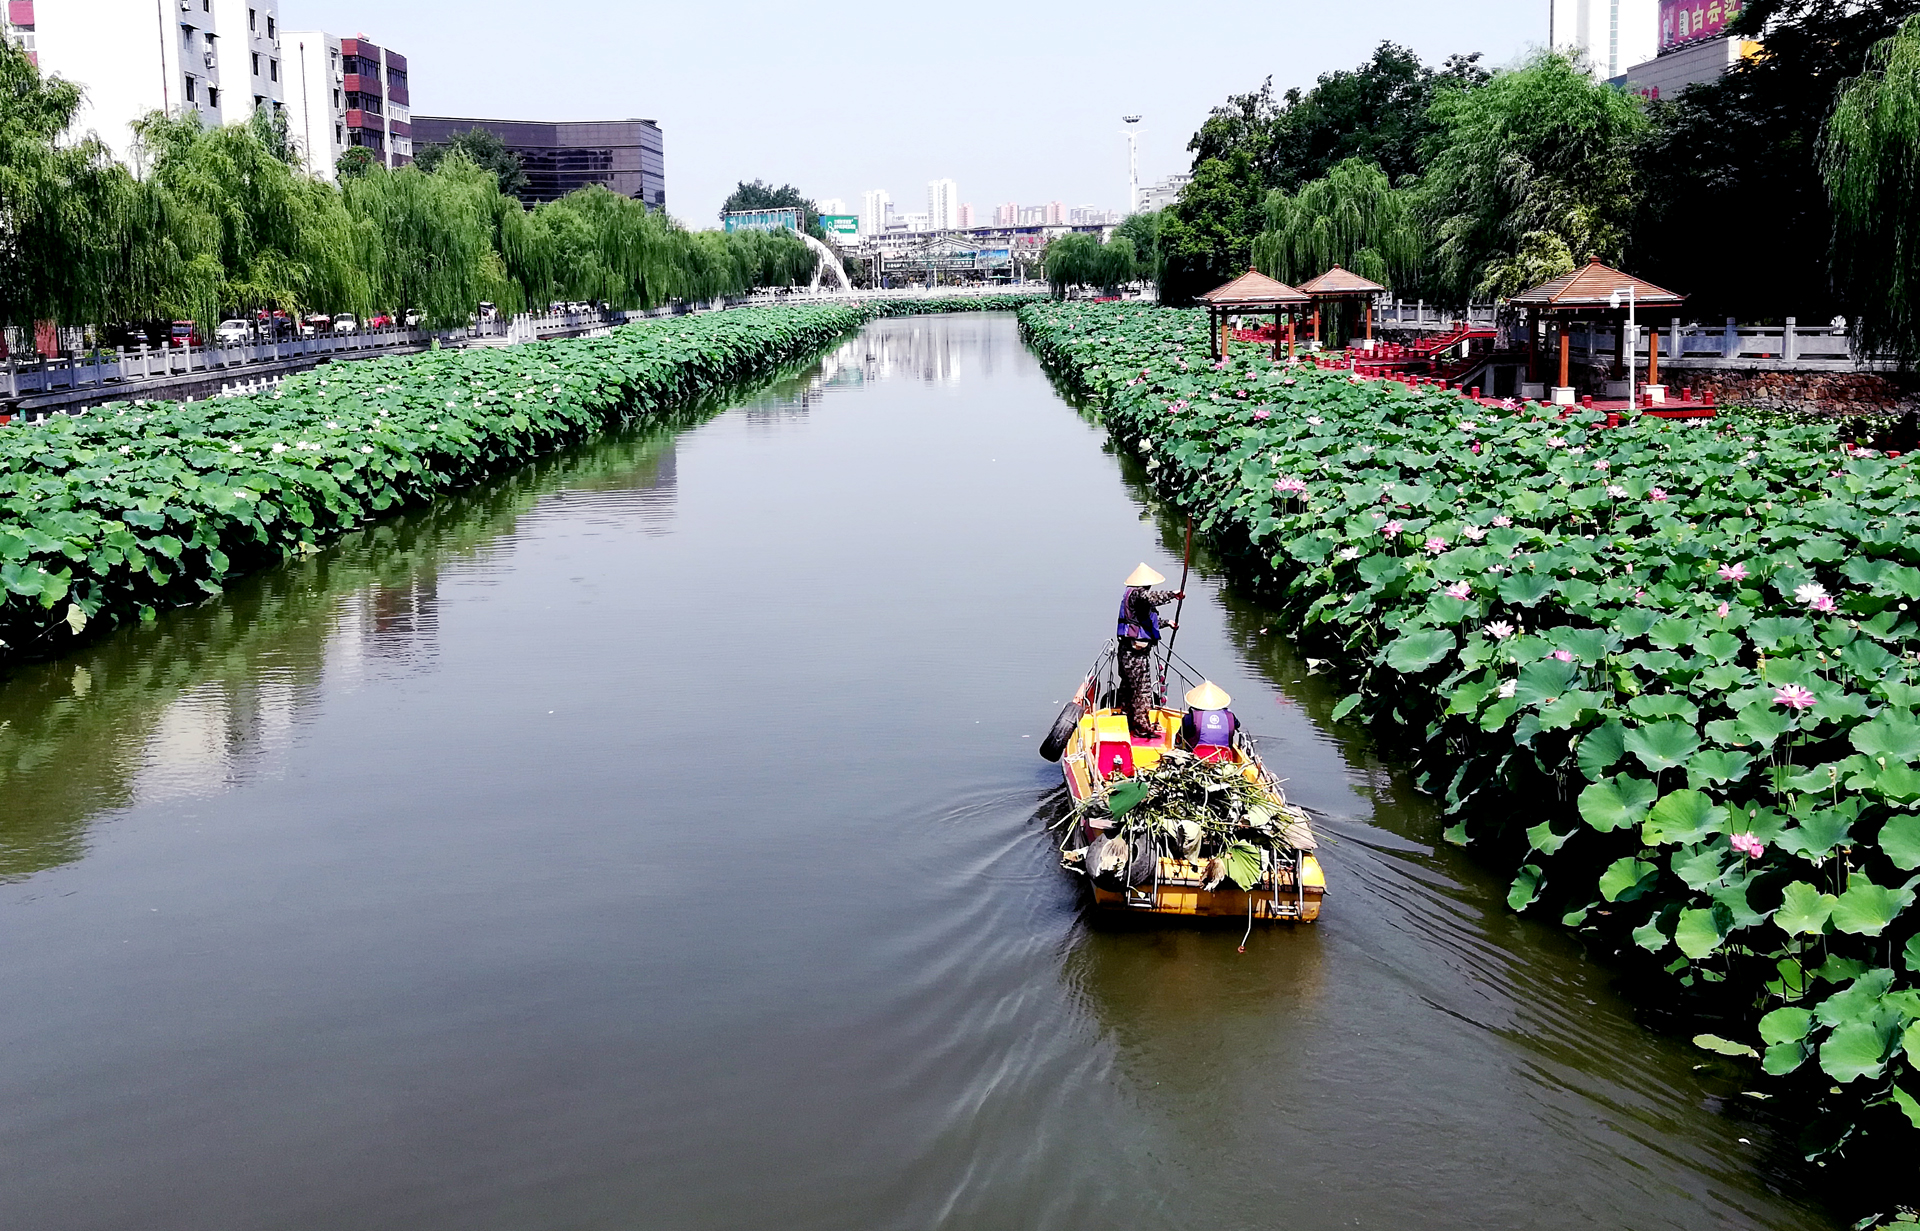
x=1139, y=631
x=1209, y=723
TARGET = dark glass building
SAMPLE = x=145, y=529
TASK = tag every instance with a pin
x=626, y=156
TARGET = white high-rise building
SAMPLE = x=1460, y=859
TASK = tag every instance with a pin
x=1612, y=34
x=875, y=208
x=830, y=205
x=943, y=205
x=217, y=59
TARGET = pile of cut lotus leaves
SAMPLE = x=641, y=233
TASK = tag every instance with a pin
x=1187, y=808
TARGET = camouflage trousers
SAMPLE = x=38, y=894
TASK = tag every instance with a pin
x=1137, y=690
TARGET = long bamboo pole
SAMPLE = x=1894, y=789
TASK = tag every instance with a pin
x=1186, y=562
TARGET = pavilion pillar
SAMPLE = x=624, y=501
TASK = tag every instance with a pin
x=1622, y=357
x=1277, y=313
x=1226, y=325
x=1563, y=392
x=1533, y=345
x=1289, y=337
x=1653, y=366
x=1316, y=321
x=1369, y=320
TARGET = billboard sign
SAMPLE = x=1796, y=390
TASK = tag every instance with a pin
x=1689, y=21
x=762, y=220
x=841, y=226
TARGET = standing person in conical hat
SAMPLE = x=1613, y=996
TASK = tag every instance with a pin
x=1139, y=631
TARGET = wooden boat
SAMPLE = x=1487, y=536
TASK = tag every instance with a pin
x=1098, y=752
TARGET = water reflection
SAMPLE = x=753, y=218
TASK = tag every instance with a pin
x=199, y=700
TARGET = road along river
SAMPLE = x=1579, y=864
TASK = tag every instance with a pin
x=655, y=839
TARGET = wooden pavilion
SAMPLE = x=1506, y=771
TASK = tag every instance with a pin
x=1588, y=294
x=1251, y=292
x=1337, y=285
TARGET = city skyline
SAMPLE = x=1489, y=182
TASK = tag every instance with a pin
x=849, y=138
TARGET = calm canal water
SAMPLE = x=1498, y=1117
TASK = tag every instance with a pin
x=655, y=839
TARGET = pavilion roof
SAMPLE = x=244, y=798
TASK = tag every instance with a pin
x=1591, y=286
x=1253, y=289
x=1339, y=283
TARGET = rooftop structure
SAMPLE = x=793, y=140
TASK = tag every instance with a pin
x=626, y=156
x=1252, y=292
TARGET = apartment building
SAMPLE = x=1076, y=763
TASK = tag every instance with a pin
x=342, y=92
x=876, y=206
x=625, y=156
x=217, y=59
x=943, y=204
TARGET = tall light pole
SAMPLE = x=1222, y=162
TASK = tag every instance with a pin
x=1133, y=163
x=1631, y=345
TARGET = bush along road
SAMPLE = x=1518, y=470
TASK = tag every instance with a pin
x=1664, y=673
x=134, y=507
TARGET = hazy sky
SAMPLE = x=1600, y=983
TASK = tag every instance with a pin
x=1016, y=102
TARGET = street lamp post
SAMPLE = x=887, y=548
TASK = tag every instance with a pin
x=1133, y=164
x=1630, y=345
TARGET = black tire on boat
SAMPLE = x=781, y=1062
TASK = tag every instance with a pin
x=1140, y=871
x=1056, y=741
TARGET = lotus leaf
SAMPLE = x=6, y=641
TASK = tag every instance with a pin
x=1683, y=817
x=1627, y=878
x=1617, y=803
x=1662, y=745
x=1866, y=909
x=1699, y=932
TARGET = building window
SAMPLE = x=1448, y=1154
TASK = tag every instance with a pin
x=270, y=29
x=253, y=16
x=336, y=98
x=190, y=86
x=273, y=70
x=256, y=64
x=186, y=37
x=213, y=96
x=338, y=135
x=259, y=101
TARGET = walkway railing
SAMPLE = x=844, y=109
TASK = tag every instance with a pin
x=123, y=366
x=1730, y=345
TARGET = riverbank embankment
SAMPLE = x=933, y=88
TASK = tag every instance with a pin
x=1663, y=672
x=117, y=513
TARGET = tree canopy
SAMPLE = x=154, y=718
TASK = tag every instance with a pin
x=757, y=195
x=483, y=149
x=1080, y=259
x=1872, y=175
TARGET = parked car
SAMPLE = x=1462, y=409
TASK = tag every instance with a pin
x=488, y=311
x=346, y=322
x=184, y=333
x=380, y=320
x=414, y=317
x=233, y=333
x=315, y=325
x=272, y=326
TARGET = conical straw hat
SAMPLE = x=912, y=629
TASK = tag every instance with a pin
x=1209, y=696
x=1144, y=576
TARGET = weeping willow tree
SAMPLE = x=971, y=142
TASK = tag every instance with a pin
x=1872, y=172
x=1352, y=217
x=61, y=201
x=1081, y=259
x=428, y=241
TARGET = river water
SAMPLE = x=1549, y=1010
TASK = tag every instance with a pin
x=656, y=839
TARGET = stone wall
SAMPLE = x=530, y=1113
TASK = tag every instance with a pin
x=1841, y=395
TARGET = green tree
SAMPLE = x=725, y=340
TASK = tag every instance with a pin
x=757, y=195
x=1352, y=217
x=1872, y=172
x=1080, y=259
x=61, y=202
x=1536, y=155
x=354, y=161
x=1206, y=236
x=482, y=149
x=1734, y=210
x=1142, y=230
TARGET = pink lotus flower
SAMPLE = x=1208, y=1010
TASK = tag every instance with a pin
x=1435, y=545
x=1601, y=464
x=1289, y=486
x=1503, y=520
x=1721, y=611
x=1390, y=529
x=1499, y=630
x=1133, y=382
x=1616, y=491
x=1733, y=572
x=1458, y=589
x=1823, y=604
x=1260, y=414
x=1468, y=426
x=1475, y=533
x=1811, y=593
x=1563, y=655
x=1556, y=442
x=1316, y=420
x=1476, y=446
x=1177, y=406
x=1747, y=844
x=1794, y=697
x=1657, y=494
